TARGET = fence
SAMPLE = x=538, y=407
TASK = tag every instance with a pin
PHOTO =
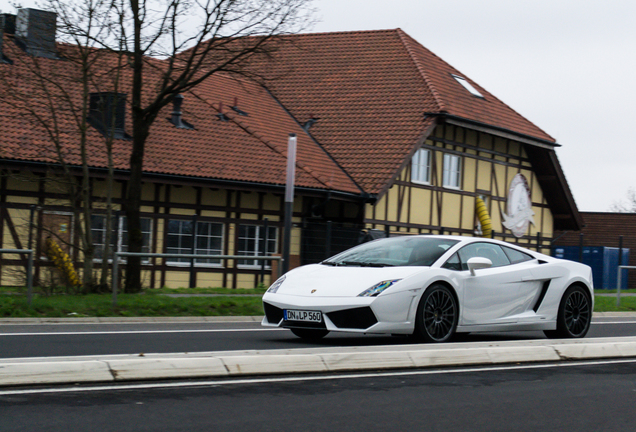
x=618, y=284
x=187, y=256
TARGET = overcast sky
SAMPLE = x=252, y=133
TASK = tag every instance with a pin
x=566, y=65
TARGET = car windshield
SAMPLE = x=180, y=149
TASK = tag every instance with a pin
x=397, y=251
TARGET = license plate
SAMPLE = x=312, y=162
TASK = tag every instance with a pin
x=307, y=316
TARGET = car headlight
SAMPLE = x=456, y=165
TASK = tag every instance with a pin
x=274, y=287
x=376, y=289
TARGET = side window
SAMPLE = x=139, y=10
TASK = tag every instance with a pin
x=452, y=171
x=421, y=167
x=453, y=263
x=516, y=256
x=485, y=250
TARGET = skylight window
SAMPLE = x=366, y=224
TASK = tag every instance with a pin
x=473, y=91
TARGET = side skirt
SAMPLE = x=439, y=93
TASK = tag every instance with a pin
x=549, y=325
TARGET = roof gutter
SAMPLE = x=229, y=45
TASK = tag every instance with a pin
x=493, y=130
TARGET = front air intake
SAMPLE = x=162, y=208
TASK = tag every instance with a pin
x=358, y=318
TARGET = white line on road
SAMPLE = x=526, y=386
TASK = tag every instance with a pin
x=216, y=383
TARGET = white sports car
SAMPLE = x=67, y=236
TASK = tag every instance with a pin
x=433, y=287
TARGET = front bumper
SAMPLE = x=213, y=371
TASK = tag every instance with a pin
x=383, y=314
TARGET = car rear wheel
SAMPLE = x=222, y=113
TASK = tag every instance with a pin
x=309, y=334
x=437, y=315
x=574, y=316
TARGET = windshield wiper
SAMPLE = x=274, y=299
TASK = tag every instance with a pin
x=331, y=263
x=363, y=264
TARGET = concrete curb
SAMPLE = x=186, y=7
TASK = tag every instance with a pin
x=117, y=368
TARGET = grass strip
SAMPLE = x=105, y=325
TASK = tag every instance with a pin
x=128, y=305
x=153, y=304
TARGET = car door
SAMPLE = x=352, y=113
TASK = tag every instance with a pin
x=495, y=295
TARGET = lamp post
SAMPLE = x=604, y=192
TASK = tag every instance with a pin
x=289, y=199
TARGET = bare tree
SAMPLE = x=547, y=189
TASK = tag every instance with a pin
x=51, y=93
x=168, y=47
x=194, y=39
x=627, y=206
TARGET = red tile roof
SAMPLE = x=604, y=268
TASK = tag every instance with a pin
x=249, y=148
x=370, y=90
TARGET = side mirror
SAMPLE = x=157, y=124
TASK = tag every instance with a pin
x=476, y=263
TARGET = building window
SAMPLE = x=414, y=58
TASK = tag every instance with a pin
x=251, y=241
x=452, y=171
x=119, y=235
x=468, y=86
x=421, y=167
x=180, y=236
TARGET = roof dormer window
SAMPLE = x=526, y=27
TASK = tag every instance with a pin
x=107, y=114
x=468, y=86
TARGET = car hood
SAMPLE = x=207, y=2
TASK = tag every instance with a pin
x=328, y=281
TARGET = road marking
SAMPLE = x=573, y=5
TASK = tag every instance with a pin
x=217, y=383
x=141, y=332
x=614, y=322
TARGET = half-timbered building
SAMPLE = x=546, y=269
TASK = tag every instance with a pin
x=391, y=141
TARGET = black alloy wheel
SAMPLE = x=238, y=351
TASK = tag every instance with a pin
x=437, y=314
x=309, y=334
x=574, y=316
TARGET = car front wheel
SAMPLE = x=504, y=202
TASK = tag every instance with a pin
x=437, y=314
x=574, y=316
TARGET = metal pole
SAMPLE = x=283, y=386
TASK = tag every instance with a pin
x=538, y=242
x=115, y=277
x=581, y=248
x=618, y=288
x=193, y=277
x=289, y=199
x=264, y=247
x=620, y=252
x=31, y=215
x=30, y=277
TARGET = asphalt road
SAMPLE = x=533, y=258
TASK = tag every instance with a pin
x=99, y=339
x=597, y=396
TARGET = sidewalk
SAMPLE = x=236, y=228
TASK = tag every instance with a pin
x=117, y=368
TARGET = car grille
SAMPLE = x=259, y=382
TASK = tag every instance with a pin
x=273, y=314
x=358, y=318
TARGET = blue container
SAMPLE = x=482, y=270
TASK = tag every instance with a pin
x=603, y=260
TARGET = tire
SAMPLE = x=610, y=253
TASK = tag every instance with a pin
x=574, y=316
x=309, y=334
x=437, y=315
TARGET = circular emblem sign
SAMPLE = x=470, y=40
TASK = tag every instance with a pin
x=519, y=207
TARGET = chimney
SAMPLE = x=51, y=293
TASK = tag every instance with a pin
x=176, y=118
x=35, y=32
x=7, y=25
x=107, y=113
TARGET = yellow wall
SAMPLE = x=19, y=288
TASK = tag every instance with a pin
x=182, y=202
x=481, y=175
